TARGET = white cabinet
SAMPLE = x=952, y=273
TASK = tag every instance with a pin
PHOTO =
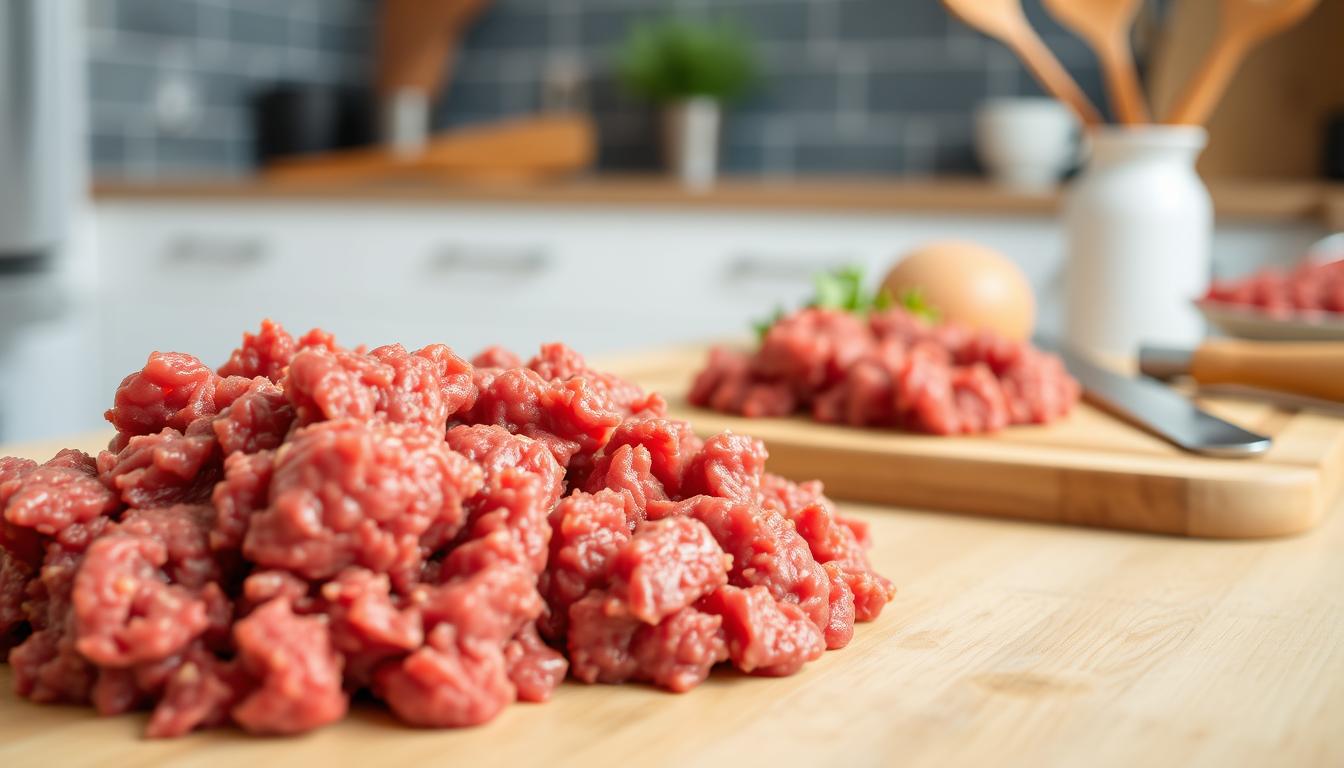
x=191, y=276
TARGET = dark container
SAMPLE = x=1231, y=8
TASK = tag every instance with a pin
x=1334, y=147
x=292, y=119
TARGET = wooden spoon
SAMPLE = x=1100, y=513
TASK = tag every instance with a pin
x=1242, y=25
x=1003, y=19
x=1105, y=25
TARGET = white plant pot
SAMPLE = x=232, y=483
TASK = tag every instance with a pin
x=1139, y=228
x=1026, y=144
x=691, y=140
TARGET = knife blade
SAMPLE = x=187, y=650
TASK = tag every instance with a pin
x=1160, y=409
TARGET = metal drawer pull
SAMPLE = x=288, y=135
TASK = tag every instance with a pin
x=216, y=251
x=487, y=259
x=745, y=267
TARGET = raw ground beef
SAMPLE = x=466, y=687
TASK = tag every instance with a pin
x=1306, y=290
x=891, y=369
x=309, y=522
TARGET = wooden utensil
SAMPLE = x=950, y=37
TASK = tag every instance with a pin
x=1242, y=25
x=1310, y=368
x=1105, y=25
x=1004, y=21
x=416, y=42
x=524, y=148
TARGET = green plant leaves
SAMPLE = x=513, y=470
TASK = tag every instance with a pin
x=842, y=289
x=673, y=60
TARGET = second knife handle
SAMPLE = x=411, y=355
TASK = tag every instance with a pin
x=1312, y=368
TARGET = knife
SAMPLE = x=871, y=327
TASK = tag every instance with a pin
x=1312, y=369
x=1159, y=409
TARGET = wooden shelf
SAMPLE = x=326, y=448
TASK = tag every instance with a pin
x=1285, y=202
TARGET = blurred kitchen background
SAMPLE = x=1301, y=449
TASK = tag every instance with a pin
x=524, y=192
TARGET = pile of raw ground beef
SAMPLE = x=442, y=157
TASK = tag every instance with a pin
x=891, y=369
x=1310, y=288
x=309, y=522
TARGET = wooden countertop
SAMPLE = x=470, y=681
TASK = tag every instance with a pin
x=1264, y=201
x=1008, y=643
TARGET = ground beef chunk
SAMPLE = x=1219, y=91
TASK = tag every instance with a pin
x=257, y=420
x=765, y=636
x=126, y=611
x=629, y=470
x=61, y=501
x=172, y=390
x=358, y=493
x=587, y=532
x=671, y=444
x=729, y=466
x=369, y=625
x=667, y=565
x=298, y=672
x=335, y=384
x=1305, y=291
x=245, y=489
x=895, y=370
x=315, y=522
x=414, y=395
x=461, y=677
x=569, y=416
x=607, y=645
x=559, y=362
x=678, y=653
x=48, y=669
x=162, y=469
x=184, y=531
x=456, y=382
x=508, y=516
x=265, y=353
x=766, y=551
x=534, y=668
x=447, y=683
x=840, y=628
x=496, y=357
x=14, y=578
x=199, y=693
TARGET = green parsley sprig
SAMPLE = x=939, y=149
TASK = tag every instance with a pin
x=843, y=289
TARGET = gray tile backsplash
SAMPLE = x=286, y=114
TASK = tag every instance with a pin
x=849, y=86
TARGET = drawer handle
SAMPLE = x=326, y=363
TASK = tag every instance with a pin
x=751, y=267
x=491, y=260
x=216, y=251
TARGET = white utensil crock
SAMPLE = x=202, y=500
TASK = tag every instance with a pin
x=691, y=140
x=1139, y=228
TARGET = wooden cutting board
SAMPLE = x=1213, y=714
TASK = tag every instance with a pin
x=1089, y=469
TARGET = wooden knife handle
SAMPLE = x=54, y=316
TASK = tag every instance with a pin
x=1312, y=368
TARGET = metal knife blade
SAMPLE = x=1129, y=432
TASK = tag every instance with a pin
x=1159, y=409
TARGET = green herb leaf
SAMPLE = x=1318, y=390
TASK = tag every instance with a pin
x=914, y=302
x=843, y=289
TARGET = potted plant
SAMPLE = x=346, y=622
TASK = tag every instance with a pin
x=690, y=70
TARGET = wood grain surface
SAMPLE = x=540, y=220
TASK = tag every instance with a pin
x=1008, y=643
x=1088, y=469
x=1265, y=201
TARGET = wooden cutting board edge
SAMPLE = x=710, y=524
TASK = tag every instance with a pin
x=1284, y=493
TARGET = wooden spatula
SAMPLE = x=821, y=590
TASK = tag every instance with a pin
x=1242, y=24
x=1003, y=20
x=1105, y=25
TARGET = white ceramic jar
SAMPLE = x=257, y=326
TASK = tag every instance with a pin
x=1139, y=229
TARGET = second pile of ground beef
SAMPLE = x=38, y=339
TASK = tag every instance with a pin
x=261, y=542
x=889, y=369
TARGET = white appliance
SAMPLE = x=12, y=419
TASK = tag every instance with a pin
x=47, y=307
